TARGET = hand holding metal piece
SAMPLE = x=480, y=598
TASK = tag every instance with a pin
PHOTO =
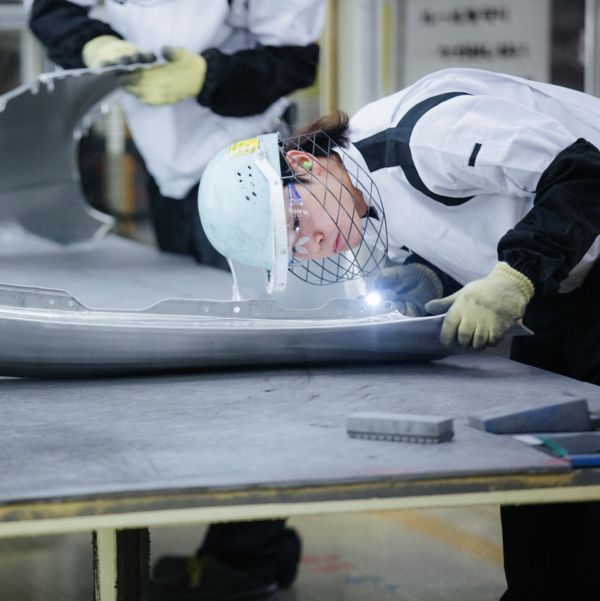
x=481, y=312
x=410, y=286
x=181, y=77
x=109, y=50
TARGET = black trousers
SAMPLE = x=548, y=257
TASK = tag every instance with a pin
x=177, y=226
x=264, y=549
x=552, y=552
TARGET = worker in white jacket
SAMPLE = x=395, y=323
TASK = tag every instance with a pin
x=227, y=66
x=486, y=189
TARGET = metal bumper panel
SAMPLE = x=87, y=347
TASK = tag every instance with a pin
x=49, y=332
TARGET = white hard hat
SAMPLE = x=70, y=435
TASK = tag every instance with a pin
x=242, y=210
x=245, y=216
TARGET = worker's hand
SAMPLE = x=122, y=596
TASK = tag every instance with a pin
x=481, y=313
x=181, y=77
x=108, y=50
x=410, y=286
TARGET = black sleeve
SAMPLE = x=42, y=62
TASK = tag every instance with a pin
x=249, y=81
x=64, y=28
x=563, y=223
x=449, y=284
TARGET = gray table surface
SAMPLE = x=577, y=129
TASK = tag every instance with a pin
x=114, y=273
x=243, y=430
x=260, y=428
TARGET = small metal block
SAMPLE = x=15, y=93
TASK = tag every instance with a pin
x=400, y=427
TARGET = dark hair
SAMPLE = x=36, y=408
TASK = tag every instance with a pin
x=321, y=136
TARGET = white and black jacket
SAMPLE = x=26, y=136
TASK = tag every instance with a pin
x=257, y=51
x=475, y=167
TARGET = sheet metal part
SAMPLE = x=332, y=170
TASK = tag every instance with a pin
x=48, y=332
x=39, y=180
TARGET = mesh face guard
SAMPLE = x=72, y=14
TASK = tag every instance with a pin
x=366, y=257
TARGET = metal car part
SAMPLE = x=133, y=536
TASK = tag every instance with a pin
x=39, y=180
x=49, y=332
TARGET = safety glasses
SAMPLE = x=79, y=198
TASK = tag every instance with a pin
x=296, y=211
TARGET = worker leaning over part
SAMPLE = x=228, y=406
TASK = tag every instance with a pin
x=227, y=67
x=489, y=179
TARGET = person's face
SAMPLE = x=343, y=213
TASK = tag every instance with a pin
x=325, y=219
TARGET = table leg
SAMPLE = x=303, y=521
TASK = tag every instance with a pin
x=121, y=565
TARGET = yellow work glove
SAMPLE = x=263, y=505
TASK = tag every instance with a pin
x=410, y=286
x=182, y=76
x=108, y=50
x=481, y=313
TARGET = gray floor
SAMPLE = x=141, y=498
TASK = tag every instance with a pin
x=433, y=555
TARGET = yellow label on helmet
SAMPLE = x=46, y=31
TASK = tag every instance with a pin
x=249, y=146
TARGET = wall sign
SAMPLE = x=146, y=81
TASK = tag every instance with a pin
x=510, y=36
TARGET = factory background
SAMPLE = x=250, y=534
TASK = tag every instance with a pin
x=369, y=48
